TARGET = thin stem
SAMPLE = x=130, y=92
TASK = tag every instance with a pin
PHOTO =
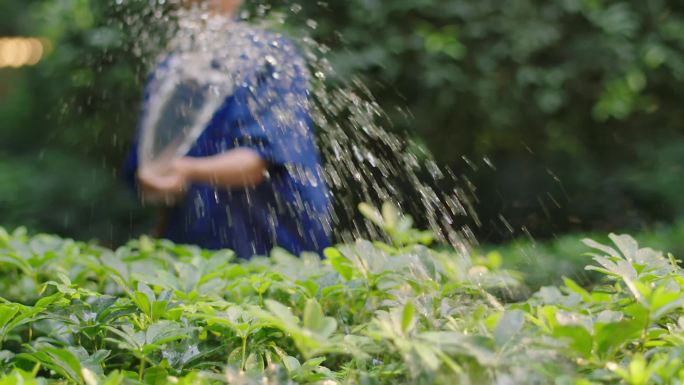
x=644, y=333
x=36, y=283
x=244, y=353
x=142, y=367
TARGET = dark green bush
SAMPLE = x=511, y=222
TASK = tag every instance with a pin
x=53, y=192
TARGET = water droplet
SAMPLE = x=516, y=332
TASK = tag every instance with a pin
x=364, y=161
x=489, y=163
x=296, y=8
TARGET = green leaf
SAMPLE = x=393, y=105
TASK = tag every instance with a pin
x=340, y=263
x=494, y=260
x=114, y=378
x=17, y=262
x=627, y=245
x=573, y=287
x=611, y=337
x=390, y=215
x=310, y=286
x=427, y=356
x=235, y=358
x=598, y=246
x=60, y=360
x=254, y=365
x=156, y=376
x=313, y=363
x=313, y=315
x=163, y=332
x=291, y=364
x=143, y=303
x=509, y=325
x=315, y=320
x=407, y=317
x=372, y=214
x=281, y=311
x=19, y=377
x=579, y=338
x=45, y=302
x=638, y=372
x=7, y=313
x=663, y=302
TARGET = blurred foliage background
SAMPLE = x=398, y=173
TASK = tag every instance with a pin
x=566, y=115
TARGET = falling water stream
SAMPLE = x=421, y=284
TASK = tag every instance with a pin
x=207, y=57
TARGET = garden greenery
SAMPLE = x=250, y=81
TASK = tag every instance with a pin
x=395, y=312
x=576, y=103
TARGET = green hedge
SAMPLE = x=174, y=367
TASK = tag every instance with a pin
x=152, y=312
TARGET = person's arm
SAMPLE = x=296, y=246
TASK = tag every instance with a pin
x=240, y=167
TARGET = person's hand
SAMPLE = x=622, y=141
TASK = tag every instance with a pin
x=165, y=184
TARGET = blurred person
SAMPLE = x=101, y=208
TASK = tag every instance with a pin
x=253, y=179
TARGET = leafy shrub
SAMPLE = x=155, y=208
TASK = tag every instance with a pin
x=46, y=192
x=153, y=310
x=558, y=94
x=545, y=262
x=371, y=313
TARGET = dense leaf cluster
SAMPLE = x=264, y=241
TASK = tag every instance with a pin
x=371, y=313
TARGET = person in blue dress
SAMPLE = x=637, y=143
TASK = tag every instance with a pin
x=253, y=179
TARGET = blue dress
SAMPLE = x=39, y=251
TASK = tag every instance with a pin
x=291, y=208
